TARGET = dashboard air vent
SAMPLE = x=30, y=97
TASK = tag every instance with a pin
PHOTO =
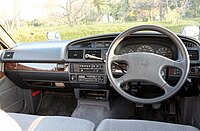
x=75, y=54
x=193, y=54
x=94, y=52
x=86, y=45
x=8, y=55
x=189, y=44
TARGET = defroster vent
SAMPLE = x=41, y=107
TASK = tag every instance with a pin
x=193, y=54
x=75, y=54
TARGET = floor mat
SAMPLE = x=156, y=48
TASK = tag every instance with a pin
x=61, y=104
x=147, y=113
x=96, y=111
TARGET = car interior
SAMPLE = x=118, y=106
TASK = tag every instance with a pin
x=146, y=78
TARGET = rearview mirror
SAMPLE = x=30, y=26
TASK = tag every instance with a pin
x=192, y=31
x=53, y=36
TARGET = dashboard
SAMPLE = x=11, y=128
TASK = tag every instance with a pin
x=54, y=65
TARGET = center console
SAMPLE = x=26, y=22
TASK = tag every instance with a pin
x=89, y=80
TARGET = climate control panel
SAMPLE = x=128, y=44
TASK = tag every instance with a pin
x=87, y=68
x=89, y=79
x=89, y=73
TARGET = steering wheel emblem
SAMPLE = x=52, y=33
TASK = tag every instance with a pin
x=143, y=63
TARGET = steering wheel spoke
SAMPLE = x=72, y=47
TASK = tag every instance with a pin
x=119, y=81
x=158, y=80
x=123, y=57
x=168, y=62
x=180, y=64
x=167, y=88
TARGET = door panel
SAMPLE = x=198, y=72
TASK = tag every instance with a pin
x=11, y=96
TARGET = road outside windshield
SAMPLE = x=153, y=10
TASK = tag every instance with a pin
x=30, y=20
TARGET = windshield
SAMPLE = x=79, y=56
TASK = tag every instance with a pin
x=30, y=20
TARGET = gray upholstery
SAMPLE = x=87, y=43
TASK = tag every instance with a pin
x=23, y=120
x=51, y=123
x=7, y=123
x=141, y=125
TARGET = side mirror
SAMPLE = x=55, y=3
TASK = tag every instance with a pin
x=192, y=31
x=53, y=36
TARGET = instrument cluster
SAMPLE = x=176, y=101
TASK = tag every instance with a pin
x=150, y=48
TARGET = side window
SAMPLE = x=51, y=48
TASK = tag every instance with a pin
x=2, y=46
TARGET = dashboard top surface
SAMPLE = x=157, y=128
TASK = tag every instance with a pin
x=59, y=51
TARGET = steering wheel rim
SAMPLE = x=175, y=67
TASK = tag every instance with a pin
x=144, y=61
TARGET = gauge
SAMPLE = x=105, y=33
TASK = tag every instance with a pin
x=164, y=51
x=130, y=51
x=122, y=52
x=126, y=50
x=145, y=48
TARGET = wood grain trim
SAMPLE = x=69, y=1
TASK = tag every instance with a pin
x=2, y=74
x=172, y=70
x=34, y=67
x=11, y=66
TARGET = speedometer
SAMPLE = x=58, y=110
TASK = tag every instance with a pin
x=145, y=48
x=164, y=51
x=126, y=50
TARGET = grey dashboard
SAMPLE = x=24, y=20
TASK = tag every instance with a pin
x=51, y=51
x=63, y=62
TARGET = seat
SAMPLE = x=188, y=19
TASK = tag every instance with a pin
x=24, y=122
x=141, y=125
x=7, y=123
x=51, y=123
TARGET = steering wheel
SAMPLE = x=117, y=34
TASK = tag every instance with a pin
x=147, y=67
